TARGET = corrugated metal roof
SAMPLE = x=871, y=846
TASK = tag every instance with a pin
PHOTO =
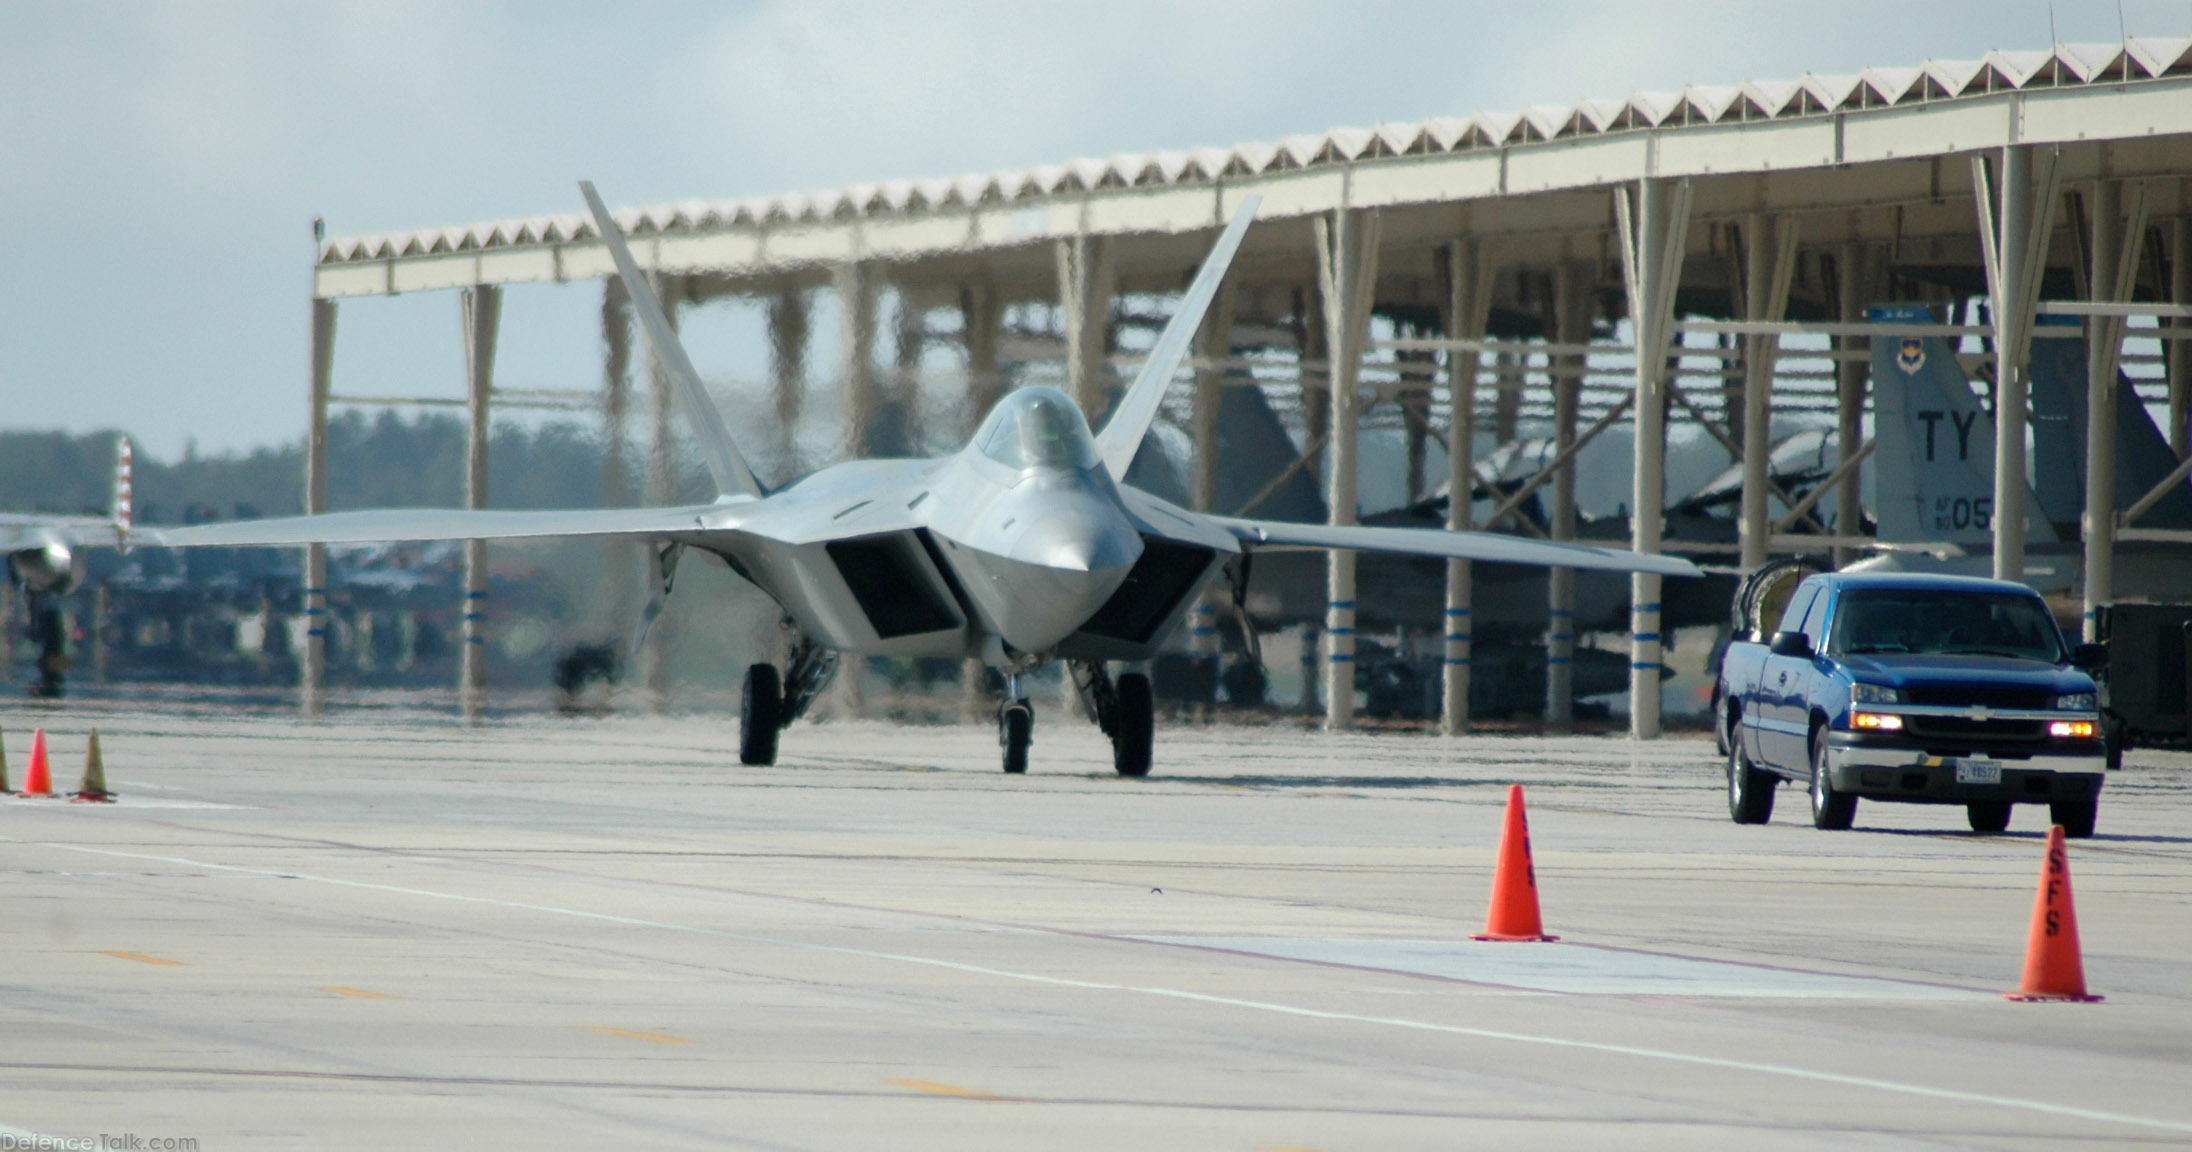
x=1698, y=105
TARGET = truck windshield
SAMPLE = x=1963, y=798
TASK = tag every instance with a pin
x=1888, y=620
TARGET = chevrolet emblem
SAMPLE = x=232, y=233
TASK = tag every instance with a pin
x=1981, y=712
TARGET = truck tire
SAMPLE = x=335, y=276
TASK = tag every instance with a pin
x=1750, y=789
x=1988, y=816
x=2076, y=816
x=1831, y=811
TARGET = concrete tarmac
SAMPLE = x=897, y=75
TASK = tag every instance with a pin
x=391, y=931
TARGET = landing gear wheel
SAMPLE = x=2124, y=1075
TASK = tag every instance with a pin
x=2076, y=816
x=1016, y=730
x=1134, y=726
x=1831, y=811
x=1987, y=816
x=1750, y=789
x=760, y=715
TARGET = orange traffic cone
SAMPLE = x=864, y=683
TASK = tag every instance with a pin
x=94, y=790
x=38, y=778
x=1513, y=914
x=2053, y=970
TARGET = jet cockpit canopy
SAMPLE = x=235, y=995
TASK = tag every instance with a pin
x=1038, y=427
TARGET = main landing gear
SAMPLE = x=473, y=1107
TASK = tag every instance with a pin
x=770, y=703
x=1125, y=711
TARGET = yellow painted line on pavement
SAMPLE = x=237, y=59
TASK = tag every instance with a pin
x=633, y=1034
x=935, y=1089
x=356, y=993
x=141, y=958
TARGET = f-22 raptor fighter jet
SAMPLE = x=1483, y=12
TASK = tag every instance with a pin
x=1020, y=549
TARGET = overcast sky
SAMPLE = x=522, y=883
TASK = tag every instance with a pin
x=160, y=163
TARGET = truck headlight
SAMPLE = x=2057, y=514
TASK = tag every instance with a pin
x=1876, y=722
x=2071, y=729
x=2077, y=702
x=1875, y=694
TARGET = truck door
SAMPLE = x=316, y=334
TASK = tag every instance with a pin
x=1783, y=687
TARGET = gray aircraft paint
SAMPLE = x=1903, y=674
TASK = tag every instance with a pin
x=1935, y=456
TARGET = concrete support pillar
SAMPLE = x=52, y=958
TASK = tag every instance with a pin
x=1213, y=347
x=482, y=307
x=2180, y=351
x=1347, y=268
x=1086, y=281
x=909, y=341
x=654, y=655
x=1572, y=306
x=1769, y=261
x=982, y=324
x=2016, y=217
x=788, y=330
x=1468, y=308
x=616, y=477
x=2114, y=272
x=1507, y=398
x=855, y=287
x=1654, y=220
x=1316, y=360
x=1853, y=281
x=312, y=667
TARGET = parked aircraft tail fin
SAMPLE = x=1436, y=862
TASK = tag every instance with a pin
x=2143, y=455
x=732, y=476
x=1935, y=456
x=1122, y=434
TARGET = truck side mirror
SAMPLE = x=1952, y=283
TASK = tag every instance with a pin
x=2089, y=657
x=1791, y=644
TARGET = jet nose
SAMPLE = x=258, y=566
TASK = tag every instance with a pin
x=1083, y=537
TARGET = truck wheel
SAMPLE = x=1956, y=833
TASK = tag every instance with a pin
x=2076, y=816
x=1750, y=790
x=1831, y=811
x=1987, y=816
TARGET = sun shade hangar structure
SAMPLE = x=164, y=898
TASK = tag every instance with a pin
x=1633, y=262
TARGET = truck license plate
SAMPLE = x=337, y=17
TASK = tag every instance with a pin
x=1978, y=771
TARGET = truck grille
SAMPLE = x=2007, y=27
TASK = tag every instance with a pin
x=1963, y=696
x=1966, y=729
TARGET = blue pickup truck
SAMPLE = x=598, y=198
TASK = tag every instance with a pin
x=1920, y=689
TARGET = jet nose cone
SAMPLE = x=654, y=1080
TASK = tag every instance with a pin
x=1080, y=538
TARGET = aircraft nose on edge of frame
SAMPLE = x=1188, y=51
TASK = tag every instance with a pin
x=1082, y=538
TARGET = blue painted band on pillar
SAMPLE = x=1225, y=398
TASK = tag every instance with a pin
x=1651, y=607
x=1559, y=660
x=316, y=632
x=1560, y=612
x=1349, y=605
x=1560, y=637
x=1643, y=666
x=1457, y=637
x=315, y=611
x=1457, y=661
x=1651, y=636
x=475, y=595
x=1457, y=611
x=1342, y=657
x=475, y=639
x=1339, y=631
x=315, y=591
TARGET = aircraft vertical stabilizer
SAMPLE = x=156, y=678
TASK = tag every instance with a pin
x=1935, y=461
x=732, y=476
x=2143, y=456
x=1122, y=434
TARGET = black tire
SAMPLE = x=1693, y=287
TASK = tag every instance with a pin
x=1831, y=811
x=1750, y=788
x=1134, y=727
x=2076, y=816
x=760, y=715
x=1988, y=816
x=1016, y=730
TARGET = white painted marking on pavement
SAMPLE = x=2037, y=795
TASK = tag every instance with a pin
x=1783, y=1070
x=1576, y=969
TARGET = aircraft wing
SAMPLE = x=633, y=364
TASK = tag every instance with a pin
x=22, y=530
x=1262, y=535
x=451, y=524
